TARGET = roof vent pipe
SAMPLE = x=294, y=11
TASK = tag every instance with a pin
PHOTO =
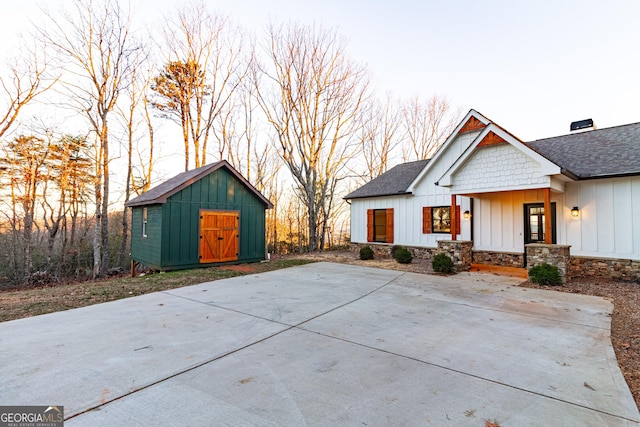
x=582, y=125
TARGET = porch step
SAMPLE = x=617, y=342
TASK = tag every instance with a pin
x=500, y=270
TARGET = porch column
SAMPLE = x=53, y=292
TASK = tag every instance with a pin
x=548, y=238
x=453, y=217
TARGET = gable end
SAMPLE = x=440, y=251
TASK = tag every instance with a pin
x=472, y=124
x=491, y=139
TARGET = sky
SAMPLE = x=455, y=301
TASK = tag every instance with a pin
x=532, y=67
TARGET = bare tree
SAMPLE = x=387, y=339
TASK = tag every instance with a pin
x=380, y=136
x=203, y=70
x=236, y=128
x=132, y=120
x=95, y=46
x=26, y=79
x=427, y=125
x=266, y=180
x=142, y=171
x=312, y=103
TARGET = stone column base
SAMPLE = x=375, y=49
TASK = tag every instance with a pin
x=459, y=251
x=556, y=255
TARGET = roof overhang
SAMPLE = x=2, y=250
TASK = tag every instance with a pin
x=404, y=193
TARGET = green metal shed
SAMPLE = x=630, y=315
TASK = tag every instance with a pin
x=206, y=216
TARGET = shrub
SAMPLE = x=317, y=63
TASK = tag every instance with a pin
x=366, y=253
x=403, y=256
x=545, y=274
x=393, y=250
x=442, y=263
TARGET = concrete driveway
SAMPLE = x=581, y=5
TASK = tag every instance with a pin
x=325, y=344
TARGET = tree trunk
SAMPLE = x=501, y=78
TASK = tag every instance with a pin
x=104, y=220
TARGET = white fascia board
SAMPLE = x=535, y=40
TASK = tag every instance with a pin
x=445, y=145
x=547, y=167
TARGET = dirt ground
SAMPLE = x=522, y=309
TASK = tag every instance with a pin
x=625, y=322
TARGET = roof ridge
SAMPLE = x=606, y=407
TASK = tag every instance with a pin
x=586, y=132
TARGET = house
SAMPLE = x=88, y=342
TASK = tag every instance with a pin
x=488, y=197
x=202, y=217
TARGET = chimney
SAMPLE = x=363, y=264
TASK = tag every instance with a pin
x=582, y=125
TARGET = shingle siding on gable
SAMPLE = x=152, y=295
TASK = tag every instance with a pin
x=492, y=167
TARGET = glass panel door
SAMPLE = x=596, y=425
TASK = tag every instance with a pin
x=534, y=223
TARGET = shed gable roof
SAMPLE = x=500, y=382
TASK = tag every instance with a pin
x=161, y=192
x=394, y=182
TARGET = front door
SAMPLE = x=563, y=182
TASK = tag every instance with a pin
x=218, y=236
x=534, y=222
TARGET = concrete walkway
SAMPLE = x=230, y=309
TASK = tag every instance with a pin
x=325, y=344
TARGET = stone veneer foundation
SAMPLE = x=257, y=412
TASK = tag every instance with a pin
x=504, y=259
x=619, y=269
x=606, y=268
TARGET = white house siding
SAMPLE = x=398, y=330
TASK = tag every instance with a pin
x=408, y=209
x=609, y=221
x=407, y=212
x=359, y=209
x=498, y=168
x=498, y=219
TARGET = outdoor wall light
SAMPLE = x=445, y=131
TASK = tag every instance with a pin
x=575, y=212
x=467, y=214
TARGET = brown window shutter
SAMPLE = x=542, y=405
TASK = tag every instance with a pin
x=369, y=225
x=426, y=220
x=389, y=225
x=457, y=219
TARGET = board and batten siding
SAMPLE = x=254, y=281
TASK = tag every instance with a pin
x=217, y=191
x=499, y=219
x=147, y=248
x=609, y=221
x=407, y=218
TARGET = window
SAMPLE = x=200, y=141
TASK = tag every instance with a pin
x=144, y=222
x=437, y=219
x=441, y=219
x=380, y=225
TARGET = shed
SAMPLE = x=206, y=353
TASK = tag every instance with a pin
x=202, y=217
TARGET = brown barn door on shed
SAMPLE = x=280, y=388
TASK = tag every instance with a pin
x=218, y=236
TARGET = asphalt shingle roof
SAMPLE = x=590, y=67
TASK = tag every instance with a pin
x=393, y=182
x=598, y=153
x=161, y=192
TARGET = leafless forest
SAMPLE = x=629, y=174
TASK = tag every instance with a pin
x=88, y=96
